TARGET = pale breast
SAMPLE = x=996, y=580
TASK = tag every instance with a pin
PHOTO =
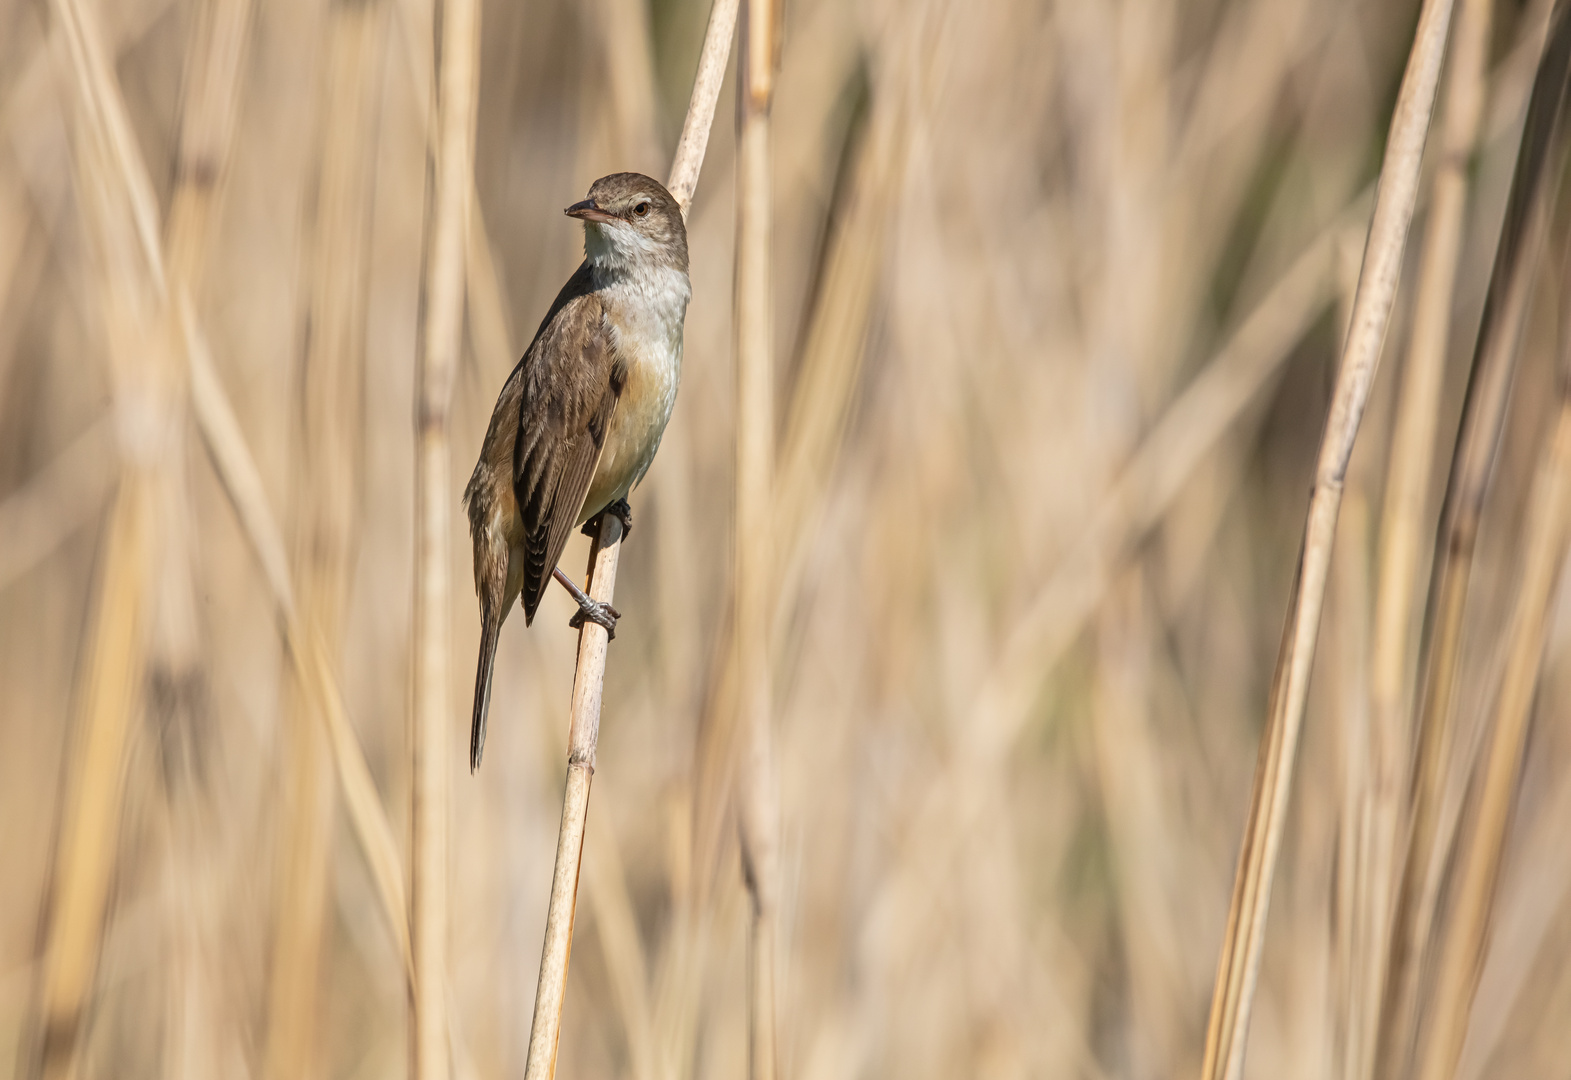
x=645, y=314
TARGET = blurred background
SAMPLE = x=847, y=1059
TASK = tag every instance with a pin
x=1060, y=289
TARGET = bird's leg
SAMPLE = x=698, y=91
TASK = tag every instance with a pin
x=623, y=513
x=593, y=610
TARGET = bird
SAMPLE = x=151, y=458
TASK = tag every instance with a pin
x=577, y=424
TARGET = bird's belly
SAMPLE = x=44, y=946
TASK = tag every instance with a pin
x=636, y=427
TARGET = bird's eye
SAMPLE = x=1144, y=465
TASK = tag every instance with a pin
x=641, y=209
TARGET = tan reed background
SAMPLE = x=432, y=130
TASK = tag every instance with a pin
x=1059, y=289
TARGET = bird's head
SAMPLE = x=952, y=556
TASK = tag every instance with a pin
x=631, y=220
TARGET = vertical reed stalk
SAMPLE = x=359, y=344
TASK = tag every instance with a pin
x=111, y=691
x=758, y=802
x=1461, y=948
x=1238, y=968
x=1483, y=413
x=120, y=217
x=457, y=86
x=181, y=706
x=589, y=675
x=309, y=659
x=582, y=736
x=327, y=469
x=1378, y=801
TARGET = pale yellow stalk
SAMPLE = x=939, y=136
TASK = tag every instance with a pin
x=457, y=91
x=589, y=676
x=758, y=801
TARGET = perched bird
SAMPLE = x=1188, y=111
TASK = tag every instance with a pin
x=580, y=418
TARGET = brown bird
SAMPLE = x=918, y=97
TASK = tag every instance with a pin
x=580, y=418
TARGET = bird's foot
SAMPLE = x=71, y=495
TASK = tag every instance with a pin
x=592, y=610
x=595, y=611
x=621, y=510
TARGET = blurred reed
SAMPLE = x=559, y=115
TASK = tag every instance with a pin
x=1498, y=347
x=1376, y=806
x=1055, y=294
x=1543, y=556
x=456, y=36
x=1371, y=313
x=325, y=527
x=753, y=527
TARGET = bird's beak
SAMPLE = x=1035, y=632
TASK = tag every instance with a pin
x=588, y=211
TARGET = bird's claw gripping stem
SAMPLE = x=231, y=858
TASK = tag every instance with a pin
x=593, y=610
x=596, y=612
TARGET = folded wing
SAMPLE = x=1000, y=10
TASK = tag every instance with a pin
x=570, y=385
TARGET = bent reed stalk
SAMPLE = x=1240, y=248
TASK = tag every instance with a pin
x=589, y=675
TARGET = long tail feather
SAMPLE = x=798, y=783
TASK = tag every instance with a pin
x=491, y=625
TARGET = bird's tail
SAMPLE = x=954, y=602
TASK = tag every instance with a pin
x=490, y=627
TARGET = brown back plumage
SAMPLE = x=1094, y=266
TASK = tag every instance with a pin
x=570, y=385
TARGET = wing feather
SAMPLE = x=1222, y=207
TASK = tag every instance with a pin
x=569, y=389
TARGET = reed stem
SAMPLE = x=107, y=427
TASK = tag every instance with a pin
x=758, y=803
x=1238, y=968
x=457, y=88
x=1378, y=799
x=1483, y=416
x=1461, y=948
x=589, y=676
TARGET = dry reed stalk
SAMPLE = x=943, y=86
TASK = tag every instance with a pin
x=242, y=483
x=589, y=675
x=1465, y=935
x=1130, y=783
x=582, y=737
x=1349, y=626
x=452, y=168
x=120, y=215
x=833, y=343
x=753, y=536
x=109, y=699
x=816, y=416
x=181, y=706
x=1395, y=199
x=1189, y=428
x=1543, y=141
x=1379, y=801
x=326, y=465
x=209, y=101
x=204, y=154
x=694, y=140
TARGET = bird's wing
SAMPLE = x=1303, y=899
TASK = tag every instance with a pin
x=570, y=382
